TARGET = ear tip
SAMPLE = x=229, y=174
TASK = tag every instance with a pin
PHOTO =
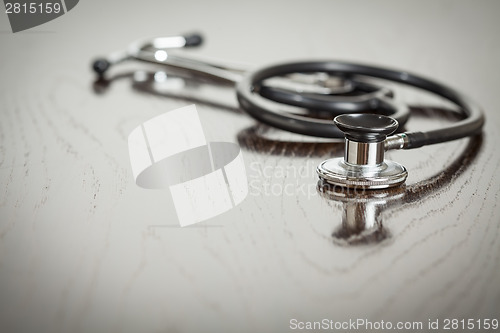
x=100, y=66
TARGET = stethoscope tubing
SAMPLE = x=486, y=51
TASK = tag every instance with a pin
x=265, y=103
x=258, y=107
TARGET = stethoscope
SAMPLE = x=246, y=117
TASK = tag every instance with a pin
x=365, y=114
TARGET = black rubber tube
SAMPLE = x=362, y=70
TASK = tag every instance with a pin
x=273, y=114
x=335, y=104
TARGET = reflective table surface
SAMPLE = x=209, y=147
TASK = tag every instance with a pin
x=83, y=248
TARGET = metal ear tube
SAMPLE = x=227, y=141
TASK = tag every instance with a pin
x=363, y=164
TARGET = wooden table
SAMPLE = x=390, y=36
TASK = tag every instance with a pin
x=84, y=249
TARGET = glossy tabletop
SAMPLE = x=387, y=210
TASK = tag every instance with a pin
x=83, y=248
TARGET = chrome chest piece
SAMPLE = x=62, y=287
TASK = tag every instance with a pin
x=363, y=164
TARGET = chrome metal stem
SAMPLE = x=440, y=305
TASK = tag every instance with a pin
x=361, y=153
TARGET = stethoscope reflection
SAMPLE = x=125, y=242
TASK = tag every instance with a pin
x=362, y=210
x=181, y=84
x=361, y=213
x=194, y=89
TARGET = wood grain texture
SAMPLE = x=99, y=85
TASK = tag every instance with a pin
x=83, y=249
